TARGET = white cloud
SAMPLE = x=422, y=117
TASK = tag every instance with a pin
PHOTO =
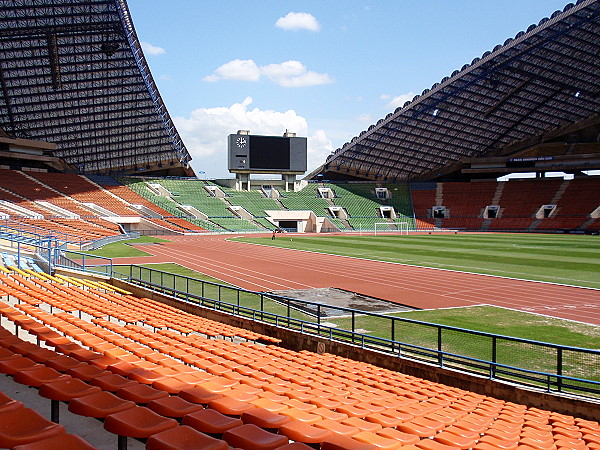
x=400, y=100
x=295, y=21
x=237, y=69
x=205, y=134
x=287, y=74
x=366, y=118
x=319, y=147
x=150, y=49
x=294, y=74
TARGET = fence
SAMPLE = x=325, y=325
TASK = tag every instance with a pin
x=552, y=367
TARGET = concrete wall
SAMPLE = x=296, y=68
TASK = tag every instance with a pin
x=294, y=340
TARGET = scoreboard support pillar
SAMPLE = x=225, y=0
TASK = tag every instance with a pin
x=290, y=180
x=242, y=181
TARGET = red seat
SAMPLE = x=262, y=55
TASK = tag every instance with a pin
x=24, y=425
x=64, y=441
x=112, y=382
x=295, y=446
x=264, y=418
x=99, y=405
x=87, y=372
x=230, y=406
x=300, y=431
x=64, y=390
x=184, y=438
x=10, y=366
x=210, y=421
x=174, y=407
x=138, y=422
x=339, y=442
x=8, y=404
x=198, y=394
x=251, y=437
x=140, y=393
x=63, y=363
x=36, y=376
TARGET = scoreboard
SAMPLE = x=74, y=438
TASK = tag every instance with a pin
x=266, y=154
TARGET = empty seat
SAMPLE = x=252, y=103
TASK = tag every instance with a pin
x=251, y=437
x=99, y=405
x=138, y=422
x=63, y=441
x=184, y=438
x=24, y=425
x=211, y=421
x=174, y=407
x=65, y=390
x=8, y=404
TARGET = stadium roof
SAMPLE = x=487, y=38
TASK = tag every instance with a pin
x=520, y=94
x=73, y=73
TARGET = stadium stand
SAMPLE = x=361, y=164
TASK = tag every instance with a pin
x=83, y=191
x=170, y=377
x=252, y=201
x=306, y=199
x=139, y=364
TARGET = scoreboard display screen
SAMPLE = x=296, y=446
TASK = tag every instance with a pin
x=267, y=154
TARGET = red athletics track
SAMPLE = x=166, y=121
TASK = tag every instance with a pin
x=263, y=268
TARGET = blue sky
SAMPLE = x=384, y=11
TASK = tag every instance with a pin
x=324, y=69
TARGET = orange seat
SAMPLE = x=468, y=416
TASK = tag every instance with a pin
x=174, y=407
x=112, y=382
x=336, y=427
x=138, y=422
x=264, y=418
x=63, y=363
x=36, y=376
x=404, y=438
x=210, y=421
x=300, y=431
x=64, y=390
x=24, y=425
x=251, y=437
x=140, y=393
x=339, y=442
x=99, y=405
x=421, y=426
x=300, y=415
x=295, y=446
x=184, y=438
x=384, y=420
x=362, y=424
x=10, y=366
x=86, y=372
x=448, y=438
x=429, y=444
x=42, y=355
x=65, y=441
x=8, y=404
x=380, y=442
x=230, y=406
x=199, y=394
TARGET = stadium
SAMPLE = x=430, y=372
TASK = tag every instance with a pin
x=403, y=294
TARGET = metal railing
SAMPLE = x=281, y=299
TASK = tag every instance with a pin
x=555, y=368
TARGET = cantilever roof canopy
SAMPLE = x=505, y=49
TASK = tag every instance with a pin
x=73, y=73
x=544, y=79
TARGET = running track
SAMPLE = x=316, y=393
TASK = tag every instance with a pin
x=262, y=268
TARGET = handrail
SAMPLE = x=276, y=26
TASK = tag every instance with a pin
x=554, y=374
